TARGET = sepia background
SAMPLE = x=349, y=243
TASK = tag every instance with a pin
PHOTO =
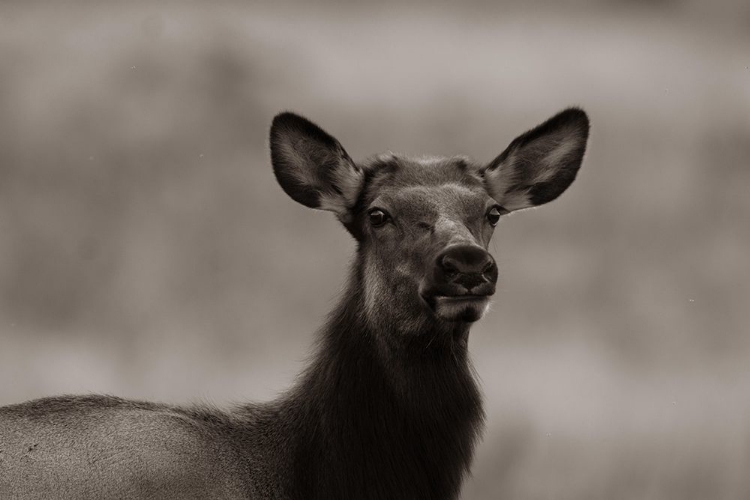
x=146, y=250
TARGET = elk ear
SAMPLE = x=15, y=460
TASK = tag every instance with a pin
x=540, y=164
x=312, y=167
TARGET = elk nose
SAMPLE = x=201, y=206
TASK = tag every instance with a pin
x=467, y=265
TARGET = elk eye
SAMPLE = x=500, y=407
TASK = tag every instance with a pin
x=494, y=215
x=378, y=217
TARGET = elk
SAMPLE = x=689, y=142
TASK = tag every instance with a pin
x=388, y=407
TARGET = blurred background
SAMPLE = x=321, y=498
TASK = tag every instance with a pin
x=146, y=250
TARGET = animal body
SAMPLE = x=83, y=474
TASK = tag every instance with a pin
x=388, y=408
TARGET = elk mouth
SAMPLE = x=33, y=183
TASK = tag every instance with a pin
x=463, y=308
x=459, y=305
x=457, y=299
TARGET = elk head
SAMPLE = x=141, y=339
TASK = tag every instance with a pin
x=423, y=225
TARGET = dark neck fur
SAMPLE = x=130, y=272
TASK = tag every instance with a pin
x=384, y=422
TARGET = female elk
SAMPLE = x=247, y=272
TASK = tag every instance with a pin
x=388, y=408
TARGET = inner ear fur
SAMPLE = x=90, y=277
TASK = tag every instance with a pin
x=540, y=164
x=312, y=167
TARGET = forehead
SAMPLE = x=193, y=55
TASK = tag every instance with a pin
x=418, y=182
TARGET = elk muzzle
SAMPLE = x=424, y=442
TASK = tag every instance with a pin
x=462, y=281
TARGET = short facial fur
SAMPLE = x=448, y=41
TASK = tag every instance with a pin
x=430, y=204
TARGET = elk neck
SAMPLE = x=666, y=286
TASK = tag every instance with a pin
x=385, y=414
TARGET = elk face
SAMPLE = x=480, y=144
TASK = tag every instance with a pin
x=424, y=225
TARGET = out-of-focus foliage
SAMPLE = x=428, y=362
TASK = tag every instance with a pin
x=146, y=251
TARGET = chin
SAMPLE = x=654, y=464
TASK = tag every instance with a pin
x=461, y=309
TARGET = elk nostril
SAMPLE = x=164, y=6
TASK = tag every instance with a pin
x=489, y=267
x=449, y=265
